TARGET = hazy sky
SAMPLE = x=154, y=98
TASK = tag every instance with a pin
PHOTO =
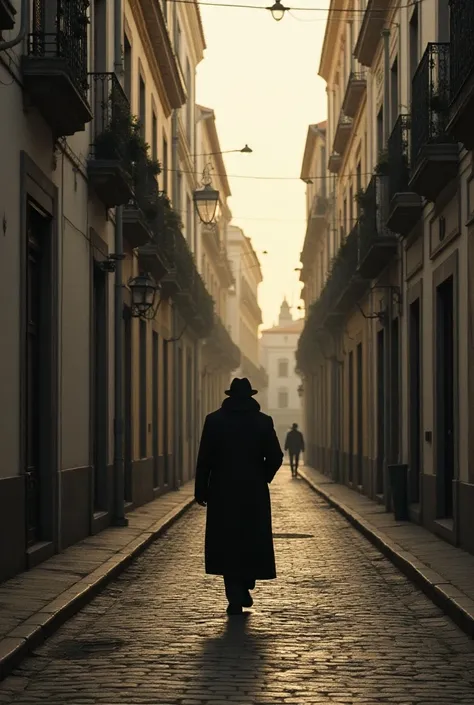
x=260, y=77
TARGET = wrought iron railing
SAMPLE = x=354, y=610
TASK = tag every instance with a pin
x=344, y=120
x=431, y=98
x=320, y=206
x=225, y=343
x=399, y=156
x=59, y=31
x=112, y=123
x=358, y=76
x=375, y=211
x=145, y=186
x=462, y=43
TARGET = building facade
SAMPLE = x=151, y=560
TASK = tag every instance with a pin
x=244, y=313
x=277, y=355
x=103, y=403
x=220, y=355
x=387, y=338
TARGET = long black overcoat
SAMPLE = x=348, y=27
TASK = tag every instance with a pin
x=238, y=457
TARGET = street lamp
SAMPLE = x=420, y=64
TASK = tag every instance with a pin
x=300, y=391
x=143, y=289
x=206, y=199
x=278, y=10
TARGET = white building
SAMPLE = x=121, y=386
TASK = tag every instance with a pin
x=277, y=355
x=244, y=313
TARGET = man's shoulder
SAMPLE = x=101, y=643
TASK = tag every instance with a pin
x=265, y=418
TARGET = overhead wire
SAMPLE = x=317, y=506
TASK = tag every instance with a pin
x=341, y=11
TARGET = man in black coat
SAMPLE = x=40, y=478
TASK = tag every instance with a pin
x=238, y=457
x=294, y=444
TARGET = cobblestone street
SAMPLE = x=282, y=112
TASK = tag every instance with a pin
x=340, y=625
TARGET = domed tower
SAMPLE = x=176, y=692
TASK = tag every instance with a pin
x=285, y=316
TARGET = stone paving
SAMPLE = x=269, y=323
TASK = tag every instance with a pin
x=340, y=625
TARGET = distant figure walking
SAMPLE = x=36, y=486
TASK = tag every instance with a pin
x=294, y=444
x=238, y=457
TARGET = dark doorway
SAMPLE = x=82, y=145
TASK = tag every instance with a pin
x=179, y=415
x=38, y=371
x=395, y=391
x=100, y=385
x=414, y=391
x=155, y=415
x=164, y=416
x=189, y=409
x=379, y=484
x=143, y=401
x=360, y=408
x=127, y=413
x=445, y=397
x=351, y=416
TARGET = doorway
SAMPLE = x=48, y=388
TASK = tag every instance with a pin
x=379, y=484
x=360, y=407
x=414, y=410
x=166, y=411
x=38, y=390
x=351, y=416
x=179, y=416
x=395, y=391
x=445, y=338
x=127, y=412
x=155, y=415
x=100, y=384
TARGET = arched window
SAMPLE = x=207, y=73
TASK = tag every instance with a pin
x=283, y=367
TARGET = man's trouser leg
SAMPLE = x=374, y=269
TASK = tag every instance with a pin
x=234, y=590
x=292, y=462
x=297, y=459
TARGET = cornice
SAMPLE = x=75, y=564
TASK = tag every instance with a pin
x=156, y=41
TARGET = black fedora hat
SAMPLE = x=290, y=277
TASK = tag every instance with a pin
x=240, y=388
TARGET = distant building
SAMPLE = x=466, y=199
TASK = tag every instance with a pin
x=244, y=313
x=277, y=355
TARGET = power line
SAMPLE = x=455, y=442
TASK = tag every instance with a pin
x=342, y=11
x=272, y=178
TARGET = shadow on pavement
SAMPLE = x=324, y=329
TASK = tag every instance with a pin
x=232, y=662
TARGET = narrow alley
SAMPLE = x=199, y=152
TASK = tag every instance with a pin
x=340, y=625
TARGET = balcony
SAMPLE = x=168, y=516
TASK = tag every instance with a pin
x=144, y=208
x=343, y=133
x=377, y=244
x=221, y=346
x=334, y=163
x=255, y=373
x=370, y=31
x=7, y=15
x=356, y=87
x=434, y=153
x=405, y=206
x=249, y=299
x=55, y=65
x=184, y=283
x=110, y=164
x=461, y=112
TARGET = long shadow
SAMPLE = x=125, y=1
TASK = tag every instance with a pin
x=231, y=663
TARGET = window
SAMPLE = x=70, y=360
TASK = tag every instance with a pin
x=179, y=188
x=189, y=221
x=165, y=165
x=189, y=103
x=142, y=391
x=100, y=36
x=394, y=93
x=154, y=136
x=413, y=42
x=283, y=368
x=380, y=144
x=177, y=42
x=282, y=398
x=127, y=68
x=142, y=108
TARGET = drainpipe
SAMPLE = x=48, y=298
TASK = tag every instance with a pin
x=22, y=32
x=119, y=484
x=386, y=87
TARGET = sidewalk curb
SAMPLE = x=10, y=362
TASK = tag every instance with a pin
x=20, y=642
x=452, y=601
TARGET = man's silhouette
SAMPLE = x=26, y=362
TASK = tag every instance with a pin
x=238, y=456
x=294, y=444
